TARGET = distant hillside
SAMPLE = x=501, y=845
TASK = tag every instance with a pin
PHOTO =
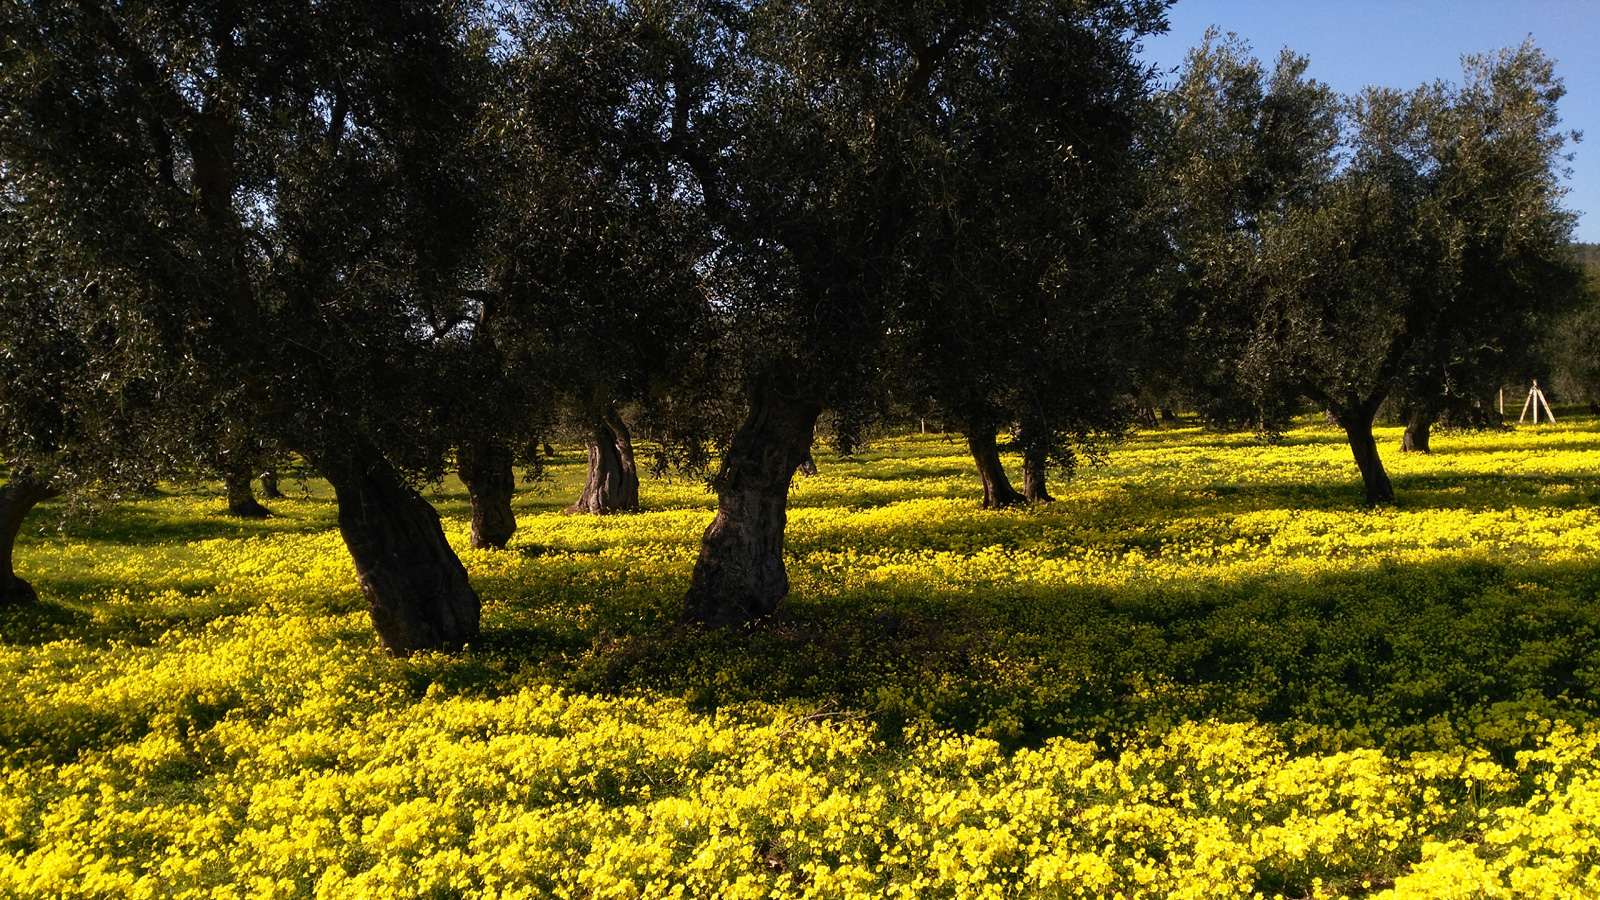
x=1589, y=255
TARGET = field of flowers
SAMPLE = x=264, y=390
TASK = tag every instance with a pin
x=1205, y=671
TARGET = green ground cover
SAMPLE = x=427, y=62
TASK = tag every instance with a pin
x=1205, y=670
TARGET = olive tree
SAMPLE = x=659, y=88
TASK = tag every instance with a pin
x=85, y=401
x=1394, y=244
x=817, y=135
x=291, y=189
x=1435, y=255
x=1242, y=146
x=1028, y=236
x=594, y=252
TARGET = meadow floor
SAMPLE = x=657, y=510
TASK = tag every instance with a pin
x=1206, y=670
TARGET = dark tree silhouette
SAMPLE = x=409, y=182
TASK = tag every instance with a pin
x=821, y=150
x=289, y=188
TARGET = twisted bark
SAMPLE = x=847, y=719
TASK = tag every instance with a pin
x=1035, y=461
x=485, y=468
x=613, y=482
x=1035, y=480
x=1358, y=428
x=241, y=500
x=997, y=490
x=416, y=588
x=740, y=577
x=1418, y=428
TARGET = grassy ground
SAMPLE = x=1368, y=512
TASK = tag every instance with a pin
x=1206, y=669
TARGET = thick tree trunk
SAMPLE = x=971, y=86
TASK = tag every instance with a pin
x=485, y=468
x=997, y=490
x=269, y=485
x=613, y=483
x=416, y=588
x=739, y=577
x=1034, y=488
x=1035, y=461
x=1358, y=428
x=241, y=501
x=1418, y=427
x=17, y=498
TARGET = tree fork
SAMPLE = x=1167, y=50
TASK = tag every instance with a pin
x=18, y=497
x=416, y=588
x=485, y=467
x=739, y=577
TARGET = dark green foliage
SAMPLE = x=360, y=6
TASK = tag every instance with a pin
x=1494, y=162
x=281, y=189
x=1588, y=256
x=1571, y=343
x=289, y=196
x=1021, y=292
x=1413, y=248
x=1241, y=147
x=591, y=254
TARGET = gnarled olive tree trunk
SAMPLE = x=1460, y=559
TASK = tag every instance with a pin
x=613, y=482
x=1035, y=461
x=1358, y=428
x=739, y=576
x=485, y=468
x=416, y=588
x=1034, y=485
x=1419, y=425
x=269, y=485
x=997, y=490
x=241, y=500
x=17, y=498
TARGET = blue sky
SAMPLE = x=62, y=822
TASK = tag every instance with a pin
x=1406, y=43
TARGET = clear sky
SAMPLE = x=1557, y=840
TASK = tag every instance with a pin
x=1406, y=43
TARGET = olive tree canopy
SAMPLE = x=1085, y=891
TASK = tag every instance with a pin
x=283, y=195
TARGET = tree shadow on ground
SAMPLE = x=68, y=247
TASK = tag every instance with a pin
x=75, y=609
x=921, y=473
x=138, y=523
x=1460, y=650
x=1403, y=657
x=45, y=621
